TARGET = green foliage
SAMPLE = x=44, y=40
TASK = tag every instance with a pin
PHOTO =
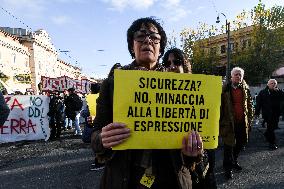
x=264, y=49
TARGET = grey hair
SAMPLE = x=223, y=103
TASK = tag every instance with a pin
x=269, y=81
x=235, y=69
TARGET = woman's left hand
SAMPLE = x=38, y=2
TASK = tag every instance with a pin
x=192, y=144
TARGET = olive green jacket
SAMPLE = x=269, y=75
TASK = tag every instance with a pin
x=227, y=115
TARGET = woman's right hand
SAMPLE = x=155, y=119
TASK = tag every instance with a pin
x=114, y=134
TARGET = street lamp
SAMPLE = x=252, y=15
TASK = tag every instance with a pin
x=228, y=45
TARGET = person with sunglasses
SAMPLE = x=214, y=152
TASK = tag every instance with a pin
x=124, y=169
x=175, y=61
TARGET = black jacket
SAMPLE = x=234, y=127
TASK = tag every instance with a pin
x=4, y=110
x=269, y=103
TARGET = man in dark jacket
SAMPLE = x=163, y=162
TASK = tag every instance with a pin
x=4, y=110
x=73, y=108
x=268, y=100
x=55, y=113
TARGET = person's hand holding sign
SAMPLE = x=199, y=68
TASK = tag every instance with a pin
x=114, y=134
x=192, y=144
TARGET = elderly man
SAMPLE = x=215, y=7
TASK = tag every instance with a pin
x=235, y=119
x=268, y=100
x=4, y=110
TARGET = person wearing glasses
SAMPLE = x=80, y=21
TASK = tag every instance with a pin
x=4, y=110
x=175, y=61
x=268, y=101
x=124, y=169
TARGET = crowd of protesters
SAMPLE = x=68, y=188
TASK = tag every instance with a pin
x=127, y=167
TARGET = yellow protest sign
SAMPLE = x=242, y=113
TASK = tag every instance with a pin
x=92, y=103
x=161, y=108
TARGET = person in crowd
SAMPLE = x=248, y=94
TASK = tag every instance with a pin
x=281, y=110
x=254, y=100
x=67, y=121
x=17, y=92
x=4, y=91
x=203, y=177
x=73, y=106
x=4, y=109
x=56, y=109
x=236, y=116
x=89, y=113
x=268, y=101
x=124, y=168
x=174, y=61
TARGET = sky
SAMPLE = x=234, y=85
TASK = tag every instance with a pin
x=94, y=31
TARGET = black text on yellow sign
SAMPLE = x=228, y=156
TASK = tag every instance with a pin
x=160, y=108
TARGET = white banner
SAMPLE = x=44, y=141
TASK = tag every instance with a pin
x=27, y=120
x=64, y=83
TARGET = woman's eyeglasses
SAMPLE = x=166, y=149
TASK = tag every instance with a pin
x=141, y=35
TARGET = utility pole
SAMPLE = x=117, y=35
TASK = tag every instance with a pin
x=228, y=45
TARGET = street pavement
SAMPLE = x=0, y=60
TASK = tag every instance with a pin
x=66, y=163
x=262, y=168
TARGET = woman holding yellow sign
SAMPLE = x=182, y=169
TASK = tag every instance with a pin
x=175, y=61
x=135, y=169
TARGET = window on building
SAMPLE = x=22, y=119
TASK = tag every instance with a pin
x=249, y=42
x=236, y=46
x=213, y=50
x=39, y=65
x=13, y=58
x=0, y=58
x=27, y=62
x=232, y=47
x=223, y=49
x=244, y=44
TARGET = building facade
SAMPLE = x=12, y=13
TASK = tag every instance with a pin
x=28, y=56
x=14, y=63
x=239, y=40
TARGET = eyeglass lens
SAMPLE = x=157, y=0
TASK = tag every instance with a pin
x=177, y=62
x=141, y=35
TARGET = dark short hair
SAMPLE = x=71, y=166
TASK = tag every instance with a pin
x=55, y=91
x=148, y=22
x=95, y=88
x=176, y=52
x=71, y=89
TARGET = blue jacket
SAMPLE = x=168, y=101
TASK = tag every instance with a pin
x=88, y=129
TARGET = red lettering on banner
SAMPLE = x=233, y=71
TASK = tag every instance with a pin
x=16, y=103
x=22, y=124
x=44, y=81
x=65, y=82
x=13, y=127
x=7, y=99
x=2, y=127
x=18, y=126
x=30, y=125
